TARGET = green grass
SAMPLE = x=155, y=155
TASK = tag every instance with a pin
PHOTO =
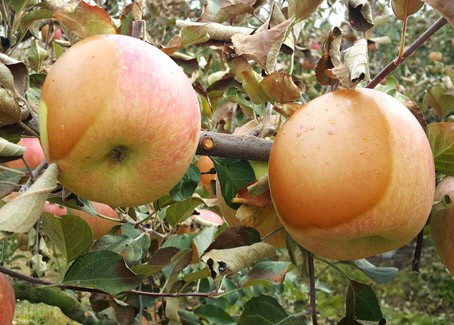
x=37, y=314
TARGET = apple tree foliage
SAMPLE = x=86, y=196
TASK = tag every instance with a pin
x=248, y=60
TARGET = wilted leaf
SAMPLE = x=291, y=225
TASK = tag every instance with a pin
x=9, y=149
x=360, y=15
x=302, y=9
x=232, y=260
x=36, y=13
x=71, y=234
x=362, y=303
x=281, y=88
x=38, y=265
x=6, y=78
x=267, y=272
x=298, y=256
x=265, y=220
x=187, y=185
x=250, y=80
x=404, y=8
x=36, y=56
x=85, y=20
x=104, y=270
x=233, y=174
x=266, y=310
x=10, y=112
x=21, y=213
x=217, y=32
x=441, y=139
x=19, y=71
x=440, y=99
x=189, y=35
x=264, y=46
x=130, y=13
x=444, y=7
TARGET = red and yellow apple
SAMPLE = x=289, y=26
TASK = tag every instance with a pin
x=351, y=175
x=120, y=119
x=56, y=34
x=100, y=226
x=7, y=300
x=442, y=224
x=33, y=154
x=205, y=164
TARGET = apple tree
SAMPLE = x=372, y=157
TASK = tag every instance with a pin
x=187, y=162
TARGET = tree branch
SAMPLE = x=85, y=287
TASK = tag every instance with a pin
x=245, y=147
x=412, y=48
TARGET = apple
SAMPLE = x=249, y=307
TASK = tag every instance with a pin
x=120, y=119
x=33, y=155
x=56, y=34
x=7, y=300
x=207, y=218
x=442, y=224
x=205, y=164
x=100, y=226
x=315, y=46
x=373, y=46
x=352, y=175
x=435, y=56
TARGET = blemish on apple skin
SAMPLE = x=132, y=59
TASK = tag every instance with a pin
x=332, y=131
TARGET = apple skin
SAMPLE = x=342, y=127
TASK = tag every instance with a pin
x=100, y=226
x=442, y=224
x=57, y=33
x=205, y=164
x=7, y=300
x=120, y=119
x=352, y=175
x=33, y=155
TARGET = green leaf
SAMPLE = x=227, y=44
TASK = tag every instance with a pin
x=182, y=210
x=103, y=270
x=440, y=99
x=361, y=302
x=264, y=310
x=298, y=256
x=180, y=241
x=21, y=213
x=71, y=234
x=203, y=240
x=214, y=314
x=234, y=95
x=380, y=275
x=35, y=14
x=441, y=139
x=267, y=272
x=233, y=174
x=187, y=185
x=36, y=56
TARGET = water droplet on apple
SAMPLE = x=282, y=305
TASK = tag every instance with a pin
x=331, y=131
x=327, y=162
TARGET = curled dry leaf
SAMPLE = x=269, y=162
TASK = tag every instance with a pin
x=444, y=7
x=10, y=111
x=189, y=35
x=404, y=8
x=233, y=10
x=302, y=9
x=21, y=213
x=360, y=15
x=354, y=69
x=232, y=260
x=19, y=71
x=281, y=88
x=217, y=32
x=263, y=47
x=8, y=149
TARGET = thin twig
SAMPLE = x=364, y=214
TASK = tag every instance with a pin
x=92, y=290
x=311, y=269
x=412, y=48
x=418, y=250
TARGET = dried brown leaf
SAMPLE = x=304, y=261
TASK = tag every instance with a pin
x=217, y=32
x=189, y=35
x=8, y=149
x=239, y=258
x=281, y=88
x=10, y=112
x=360, y=15
x=404, y=8
x=302, y=9
x=444, y=7
x=264, y=46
